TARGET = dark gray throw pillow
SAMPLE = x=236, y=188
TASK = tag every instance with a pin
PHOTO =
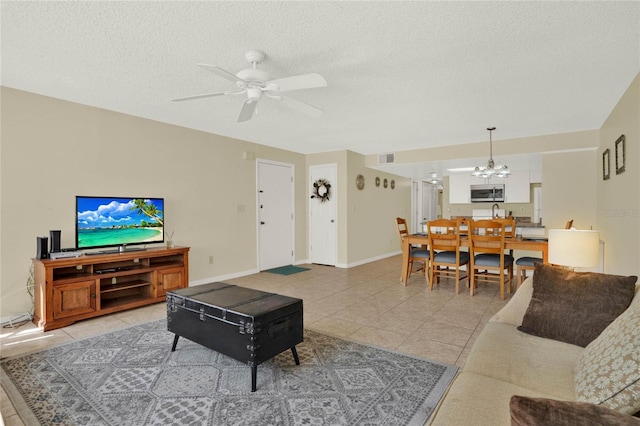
x=540, y=411
x=575, y=307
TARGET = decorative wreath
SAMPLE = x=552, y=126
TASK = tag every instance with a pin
x=322, y=190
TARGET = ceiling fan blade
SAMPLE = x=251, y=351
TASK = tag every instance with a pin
x=205, y=95
x=248, y=107
x=296, y=82
x=223, y=73
x=304, y=108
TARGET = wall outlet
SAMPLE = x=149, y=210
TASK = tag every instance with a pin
x=210, y=260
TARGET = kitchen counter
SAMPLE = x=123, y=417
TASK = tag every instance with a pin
x=528, y=225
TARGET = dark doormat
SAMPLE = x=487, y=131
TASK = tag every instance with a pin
x=287, y=270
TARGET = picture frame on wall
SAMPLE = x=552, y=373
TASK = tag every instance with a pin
x=606, y=164
x=621, y=154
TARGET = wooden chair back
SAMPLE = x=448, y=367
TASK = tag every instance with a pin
x=403, y=231
x=486, y=236
x=401, y=226
x=569, y=224
x=509, y=226
x=443, y=234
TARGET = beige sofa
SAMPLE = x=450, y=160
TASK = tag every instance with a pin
x=504, y=362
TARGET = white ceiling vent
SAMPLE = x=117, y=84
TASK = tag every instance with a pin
x=388, y=158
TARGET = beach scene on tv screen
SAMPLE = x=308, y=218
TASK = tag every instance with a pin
x=117, y=221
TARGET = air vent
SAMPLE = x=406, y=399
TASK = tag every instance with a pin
x=388, y=158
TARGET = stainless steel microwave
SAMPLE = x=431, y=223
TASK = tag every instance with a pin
x=487, y=193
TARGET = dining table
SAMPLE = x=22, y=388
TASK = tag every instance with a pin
x=511, y=243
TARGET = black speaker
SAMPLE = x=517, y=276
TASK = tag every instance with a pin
x=42, y=250
x=55, y=241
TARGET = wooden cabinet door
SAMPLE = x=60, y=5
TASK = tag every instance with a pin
x=170, y=279
x=74, y=299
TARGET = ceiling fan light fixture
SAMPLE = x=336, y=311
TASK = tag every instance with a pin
x=256, y=82
x=254, y=93
x=253, y=75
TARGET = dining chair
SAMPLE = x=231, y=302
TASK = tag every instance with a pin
x=415, y=254
x=528, y=263
x=445, y=254
x=486, y=243
x=509, y=227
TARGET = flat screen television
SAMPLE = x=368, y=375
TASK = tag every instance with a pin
x=118, y=222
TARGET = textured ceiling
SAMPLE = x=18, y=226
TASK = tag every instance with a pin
x=401, y=75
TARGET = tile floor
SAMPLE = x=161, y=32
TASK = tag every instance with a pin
x=367, y=304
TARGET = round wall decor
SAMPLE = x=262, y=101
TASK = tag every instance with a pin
x=393, y=184
x=360, y=182
x=377, y=181
x=385, y=183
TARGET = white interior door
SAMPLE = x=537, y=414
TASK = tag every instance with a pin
x=425, y=204
x=323, y=225
x=275, y=214
x=429, y=201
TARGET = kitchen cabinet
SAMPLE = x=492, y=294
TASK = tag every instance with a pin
x=473, y=180
x=517, y=188
x=459, y=188
x=535, y=176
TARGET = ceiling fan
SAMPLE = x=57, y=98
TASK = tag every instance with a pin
x=255, y=83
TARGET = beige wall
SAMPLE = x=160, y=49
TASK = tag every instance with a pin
x=569, y=189
x=371, y=212
x=53, y=150
x=360, y=212
x=535, y=144
x=618, y=212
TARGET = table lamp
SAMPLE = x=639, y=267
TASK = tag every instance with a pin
x=574, y=248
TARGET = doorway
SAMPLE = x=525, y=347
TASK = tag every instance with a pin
x=323, y=225
x=275, y=214
x=424, y=201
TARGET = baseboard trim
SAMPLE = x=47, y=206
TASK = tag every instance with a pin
x=368, y=260
x=298, y=262
x=223, y=277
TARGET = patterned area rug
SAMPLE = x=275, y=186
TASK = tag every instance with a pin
x=131, y=377
x=287, y=270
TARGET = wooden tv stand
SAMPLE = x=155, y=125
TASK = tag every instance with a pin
x=72, y=289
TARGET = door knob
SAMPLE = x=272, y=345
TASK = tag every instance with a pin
x=261, y=223
x=332, y=221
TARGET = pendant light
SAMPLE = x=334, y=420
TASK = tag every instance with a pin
x=490, y=171
x=434, y=179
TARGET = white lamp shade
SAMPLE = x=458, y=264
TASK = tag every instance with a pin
x=573, y=247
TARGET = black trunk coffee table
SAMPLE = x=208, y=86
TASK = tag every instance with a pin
x=248, y=325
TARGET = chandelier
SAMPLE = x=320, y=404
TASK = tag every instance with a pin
x=490, y=171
